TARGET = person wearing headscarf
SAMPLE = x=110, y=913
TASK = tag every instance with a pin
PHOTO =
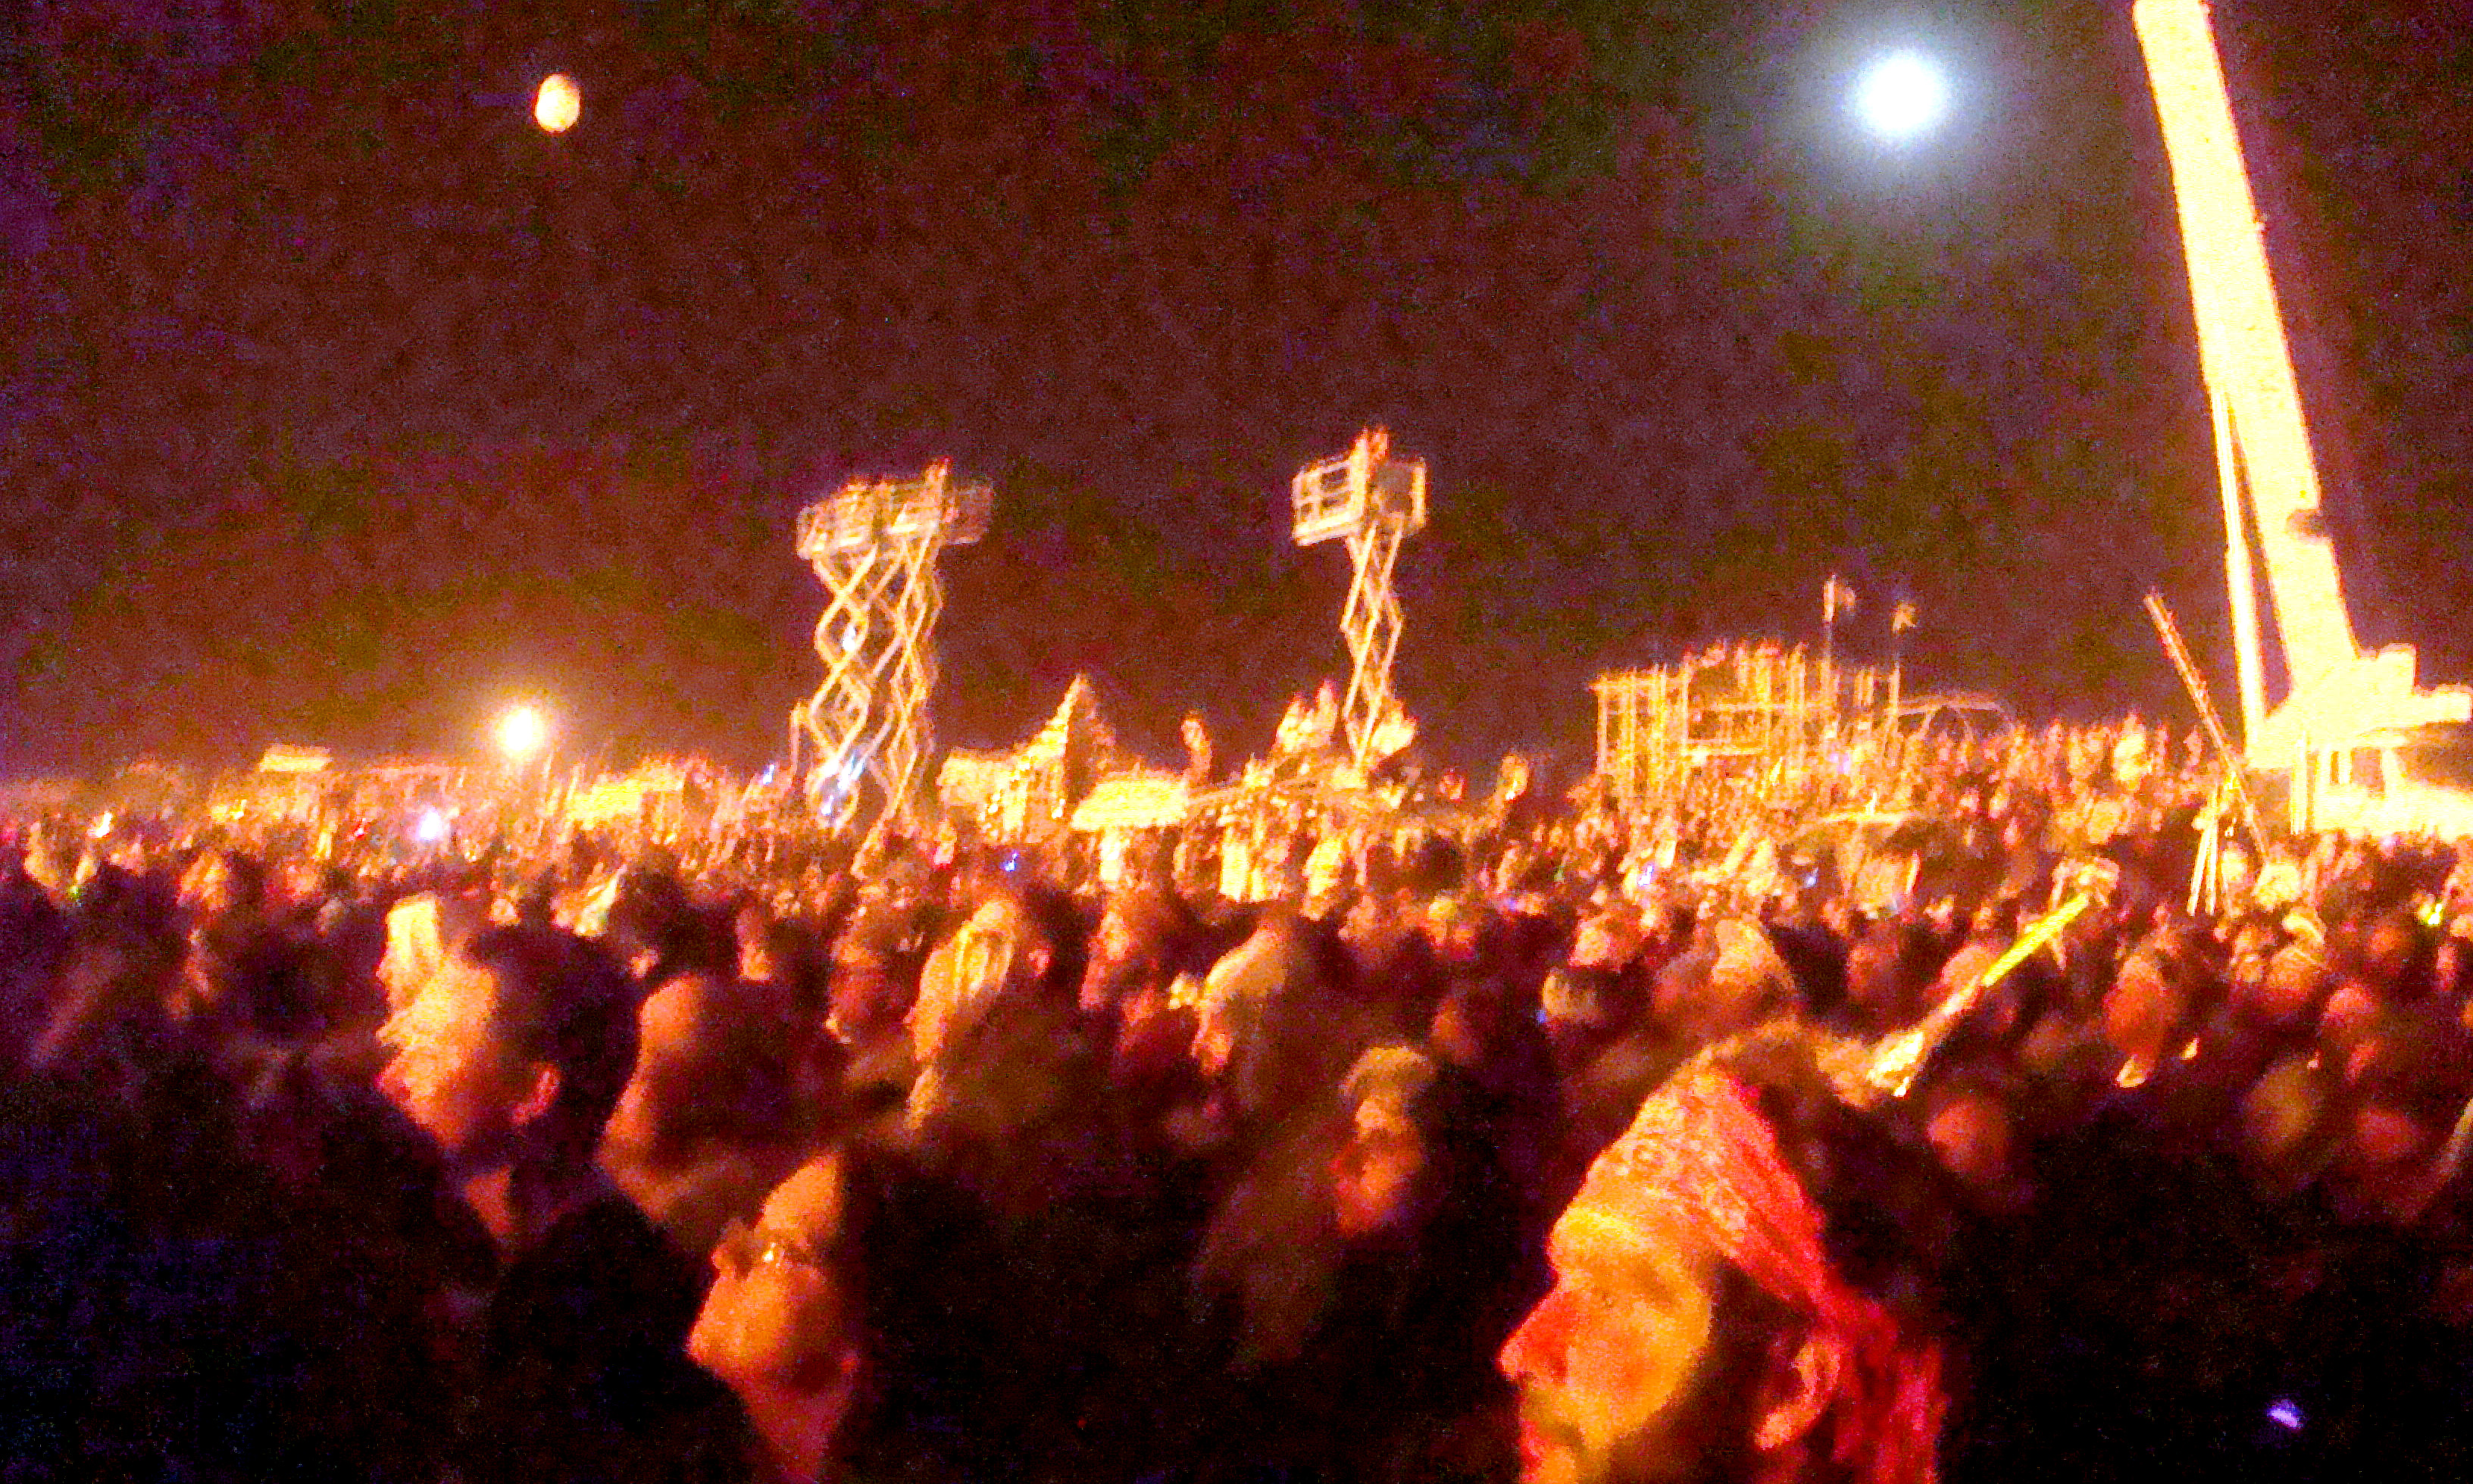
x=1709, y=1318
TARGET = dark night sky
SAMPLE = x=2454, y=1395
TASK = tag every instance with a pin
x=339, y=404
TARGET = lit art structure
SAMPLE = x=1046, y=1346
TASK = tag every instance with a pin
x=1374, y=502
x=874, y=545
x=1031, y=791
x=1776, y=716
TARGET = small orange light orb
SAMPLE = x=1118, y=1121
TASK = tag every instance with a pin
x=558, y=105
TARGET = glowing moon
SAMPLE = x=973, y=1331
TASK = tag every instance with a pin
x=558, y=105
x=1901, y=95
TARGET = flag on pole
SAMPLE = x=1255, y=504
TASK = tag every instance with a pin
x=1835, y=594
x=1903, y=618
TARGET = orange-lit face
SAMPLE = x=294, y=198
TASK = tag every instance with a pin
x=1374, y=1175
x=862, y=994
x=1114, y=970
x=399, y=968
x=779, y=1314
x=1611, y=1363
x=2141, y=1013
x=1971, y=1135
x=666, y=1028
x=757, y=961
x=211, y=887
x=1214, y=1038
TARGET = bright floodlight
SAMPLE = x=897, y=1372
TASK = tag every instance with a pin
x=558, y=105
x=522, y=732
x=1901, y=95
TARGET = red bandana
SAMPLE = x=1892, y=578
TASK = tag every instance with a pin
x=1701, y=1158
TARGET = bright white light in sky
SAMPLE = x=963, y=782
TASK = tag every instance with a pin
x=558, y=105
x=1901, y=95
x=522, y=732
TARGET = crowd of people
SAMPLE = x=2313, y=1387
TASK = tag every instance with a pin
x=1530, y=1153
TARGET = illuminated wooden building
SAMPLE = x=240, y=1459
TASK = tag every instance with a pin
x=1761, y=715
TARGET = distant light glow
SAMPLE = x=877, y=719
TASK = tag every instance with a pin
x=1901, y=95
x=430, y=828
x=522, y=732
x=2285, y=1415
x=558, y=104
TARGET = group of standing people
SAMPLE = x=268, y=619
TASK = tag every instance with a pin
x=1496, y=1165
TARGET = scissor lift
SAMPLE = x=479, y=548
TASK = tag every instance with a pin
x=1374, y=502
x=874, y=545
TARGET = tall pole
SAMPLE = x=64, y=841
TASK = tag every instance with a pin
x=1901, y=617
x=1828, y=623
x=2240, y=577
x=2179, y=654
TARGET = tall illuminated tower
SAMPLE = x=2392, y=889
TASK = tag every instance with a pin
x=874, y=544
x=1374, y=502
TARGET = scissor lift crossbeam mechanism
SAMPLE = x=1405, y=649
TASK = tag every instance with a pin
x=874, y=544
x=1373, y=502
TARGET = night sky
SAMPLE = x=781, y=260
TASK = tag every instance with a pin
x=339, y=404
